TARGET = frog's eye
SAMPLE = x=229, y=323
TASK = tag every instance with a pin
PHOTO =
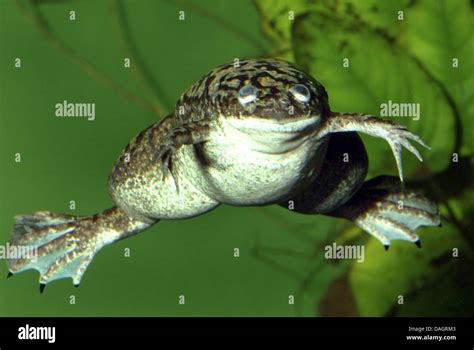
x=300, y=93
x=247, y=94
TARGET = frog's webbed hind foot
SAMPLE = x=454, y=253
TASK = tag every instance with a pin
x=384, y=209
x=62, y=246
x=51, y=244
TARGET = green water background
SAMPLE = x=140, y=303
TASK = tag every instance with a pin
x=64, y=159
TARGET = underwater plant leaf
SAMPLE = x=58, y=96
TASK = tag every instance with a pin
x=277, y=18
x=385, y=276
x=380, y=15
x=441, y=35
x=414, y=273
x=386, y=62
x=456, y=291
x=363, y=69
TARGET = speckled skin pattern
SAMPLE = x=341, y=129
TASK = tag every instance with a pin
x=220, y=152
x=259, y=132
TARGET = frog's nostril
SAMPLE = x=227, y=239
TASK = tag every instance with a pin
x=301, y=93
x=247, y=94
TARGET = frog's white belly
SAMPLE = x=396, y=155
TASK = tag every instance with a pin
x=259, y=164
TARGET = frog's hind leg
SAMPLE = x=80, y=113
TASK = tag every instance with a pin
x=342, y=173
x=382, y=206
x=386, y=210
x=61, y=246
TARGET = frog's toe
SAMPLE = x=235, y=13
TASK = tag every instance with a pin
x=388, y=212
x=399, y=137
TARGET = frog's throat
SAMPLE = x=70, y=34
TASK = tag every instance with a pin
x=269, y=136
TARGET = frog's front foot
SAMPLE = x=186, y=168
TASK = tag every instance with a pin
x=387, y=211
x=62, y=246
x=395, y=134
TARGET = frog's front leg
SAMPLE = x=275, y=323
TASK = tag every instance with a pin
x=395, y=134
x=177, y=136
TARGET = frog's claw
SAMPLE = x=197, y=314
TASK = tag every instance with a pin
x=388, y=212
x=62, y=246
x=395, y=134
x=398, y=136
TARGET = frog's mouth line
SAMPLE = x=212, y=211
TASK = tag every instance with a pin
x=285, y=126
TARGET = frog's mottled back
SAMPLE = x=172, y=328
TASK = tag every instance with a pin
x=262, y=88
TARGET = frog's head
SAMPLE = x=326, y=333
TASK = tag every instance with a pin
x=260, y=95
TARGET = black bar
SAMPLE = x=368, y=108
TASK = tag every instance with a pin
x=336, y=330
